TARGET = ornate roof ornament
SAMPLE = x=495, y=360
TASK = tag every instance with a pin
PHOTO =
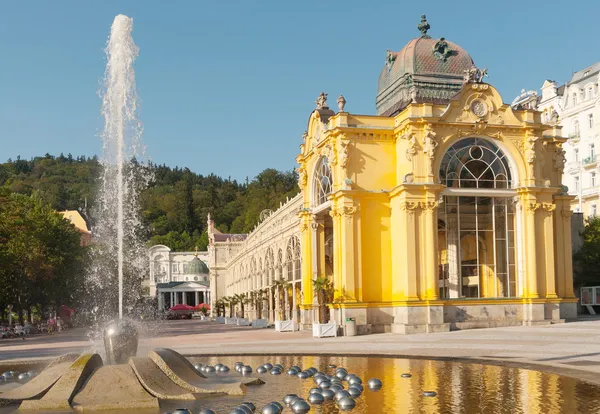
x=424, y=27
x=321, y=101
x=341, y=101
x=475, y=75
x=442, y=50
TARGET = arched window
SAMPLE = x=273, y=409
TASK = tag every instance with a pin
x=297, y=259
x=279, y=264
x=575, y=99
x=322, y=182
x=477, y=242
x=576, y=128
x=289, y=261
x=475, y=163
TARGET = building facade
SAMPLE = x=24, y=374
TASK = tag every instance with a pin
x=444, y=211
x=80, y=224
x=575, y=106
x=179, y=277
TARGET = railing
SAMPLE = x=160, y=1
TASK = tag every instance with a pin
x=590, y=160
x=574, y=136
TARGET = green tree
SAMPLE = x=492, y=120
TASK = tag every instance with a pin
x=586, y=262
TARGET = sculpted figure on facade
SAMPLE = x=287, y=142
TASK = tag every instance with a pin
x=321, y=101
x=344, y=153
x=429, y=147
x=474, y=75
x=412, y=147
x=559, y=159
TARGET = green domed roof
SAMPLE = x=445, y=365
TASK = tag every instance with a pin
x=197, y=267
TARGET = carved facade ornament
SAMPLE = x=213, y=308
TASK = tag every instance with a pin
x=566, y=213
x=412, y=147
x=429, y=147
x=559, y=159
x=474, y=75
x=321, y=101
x=341, y=101
x=347, y=211
x=334, y=213
x=409, y=205
x=549, y=207
x=428, y=205
x=533, y=206
x=344, y=153
x=530, y=153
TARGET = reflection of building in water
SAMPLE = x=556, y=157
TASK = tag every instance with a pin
x=178, y=277
x=445, y=210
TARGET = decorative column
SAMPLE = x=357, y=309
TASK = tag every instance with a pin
x=431, y=284
x=184, y=297
x=564, y=256
x=294, y=304
x=550, y=274
x=454, y=289
x=531, y=286
x=161, y=300
x=405, y=282
x=197, y=298
x=348, y=252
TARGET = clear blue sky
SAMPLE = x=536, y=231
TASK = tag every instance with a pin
x=227, y=86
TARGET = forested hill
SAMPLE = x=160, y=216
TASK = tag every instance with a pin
x=174, y=206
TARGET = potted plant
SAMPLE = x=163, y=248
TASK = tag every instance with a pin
x=323, y=289
x=258, y=298
x=242, y=300
x=281, y=323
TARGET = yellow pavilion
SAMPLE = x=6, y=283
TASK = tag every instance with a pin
x=444, y=210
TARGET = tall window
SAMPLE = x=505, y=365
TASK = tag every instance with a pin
x=576, y=183
x=576, y=128
x=592, y=152
x=574, y=99
x=591, y=121
x=593, y=179
x=322, y=182
x=476, y=233
x=589, y=93
x=576, y=154
x=593, y=210
x=289, y=261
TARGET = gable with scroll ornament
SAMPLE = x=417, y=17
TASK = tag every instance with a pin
x=479, y=102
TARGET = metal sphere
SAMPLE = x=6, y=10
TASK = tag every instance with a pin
x=318, y=378
x=325, y=384
x=182, y=411
x=303, y=375
x=206, y=411
x=198, y=367
x=24, y=377
x=289, y=398
x=316, y=398
x=275, y=371
x=315, y=391
x=218, y=366
x=8, y=376
x=341, y=394
x=327, y=394
x=374, y=384
x=336, y=388
x=120, y=341
x=331, y=366
x=312, y=371
x=270, y=409
x=359, y=386
x=292, y=371
x=238, y=410
x=296, y=367
x=261, y=370
x=209, y=369
x=406, y=375
x=300, y=407
x=429, y=393
x=250, y=405
x=354, y=392
x=224, y=368
x=245, y=409
x=341, y=374
x=337, y=381
x=246, y=370
x=346, y=403
x=279, y=366
x=268, y=366
x=354, y=380
x=278, y=405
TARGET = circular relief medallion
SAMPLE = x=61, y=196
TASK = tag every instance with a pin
x=479, y=108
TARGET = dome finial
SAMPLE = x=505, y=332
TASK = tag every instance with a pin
x=423, y=26
x=196, y=252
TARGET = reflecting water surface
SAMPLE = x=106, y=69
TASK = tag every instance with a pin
x=460, y=387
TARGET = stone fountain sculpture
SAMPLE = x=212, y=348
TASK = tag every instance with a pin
x=128, y=382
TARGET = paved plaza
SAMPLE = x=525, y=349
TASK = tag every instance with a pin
x=570, y=349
